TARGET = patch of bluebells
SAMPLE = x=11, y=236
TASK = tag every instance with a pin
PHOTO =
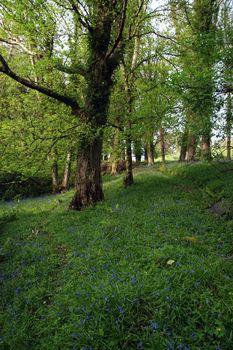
x=74, y=335
x=182, y=346
x=133, y=280
x=120, y=309
x=139, y=344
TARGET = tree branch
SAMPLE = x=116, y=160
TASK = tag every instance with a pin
x=4, y=68
x=73, y=69
x=14, y=42
x=119, y=37
x=84, y=23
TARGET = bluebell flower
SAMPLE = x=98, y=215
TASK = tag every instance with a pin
x=133, y=280
x=120, y=308
x=140, y=345
x=74, y=335
x=18, y=291
x=78, y=294
x=154, y=326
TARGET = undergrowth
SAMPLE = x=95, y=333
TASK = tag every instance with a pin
x=149, y=268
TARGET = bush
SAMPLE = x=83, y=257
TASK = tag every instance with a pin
x=15, y=185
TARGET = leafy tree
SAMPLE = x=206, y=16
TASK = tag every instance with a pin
x=102, y=24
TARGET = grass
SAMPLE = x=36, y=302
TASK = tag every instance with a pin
x=149, y=268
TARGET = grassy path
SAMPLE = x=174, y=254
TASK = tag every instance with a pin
x=150, y=268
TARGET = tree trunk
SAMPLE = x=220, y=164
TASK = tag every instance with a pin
x=128, y=179
x=162, y=144
x=138, y=151
x=229, y=145
x=150, y=153
x=115, y=156
x=88, y=176
x=183, y=147
x=191, y=147
x=229, y=125
x=55, y=181
x=146, y=154
x=205, y=148
x=66, y=177
x=102, y=61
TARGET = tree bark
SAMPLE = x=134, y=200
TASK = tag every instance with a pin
x=150, y=153
x=146, y=154
x=183, y=147
x=229, y=125
x=55, y=181
x=162, y=144
x=115, y=156
x=138, y=151
x=128, y=179
x=88, y=176
x=205, y=148
x=67, y=171
x=191, y=147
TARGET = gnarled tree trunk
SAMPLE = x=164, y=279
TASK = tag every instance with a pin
x=88, y=180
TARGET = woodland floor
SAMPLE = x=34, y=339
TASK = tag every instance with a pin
x=149, y=268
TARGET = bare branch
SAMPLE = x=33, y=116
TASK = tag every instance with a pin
x=15, y=42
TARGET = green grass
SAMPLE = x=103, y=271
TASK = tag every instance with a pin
x=149, y=268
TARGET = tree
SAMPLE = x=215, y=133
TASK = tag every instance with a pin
x=102, y=22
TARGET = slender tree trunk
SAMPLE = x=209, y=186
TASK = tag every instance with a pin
x=128, y=179
x=67, y=171
x=229, y=145
x=229, y=125
x=183, y=147
x=88, y=176
x=146, y=154
x=191, y=147
x=115, y=156
x=162, y=144
x=138, y=151
x=150, y=153
x=55, y=181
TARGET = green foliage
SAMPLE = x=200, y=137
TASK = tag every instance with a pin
x=15, y=185
x=149, y=268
